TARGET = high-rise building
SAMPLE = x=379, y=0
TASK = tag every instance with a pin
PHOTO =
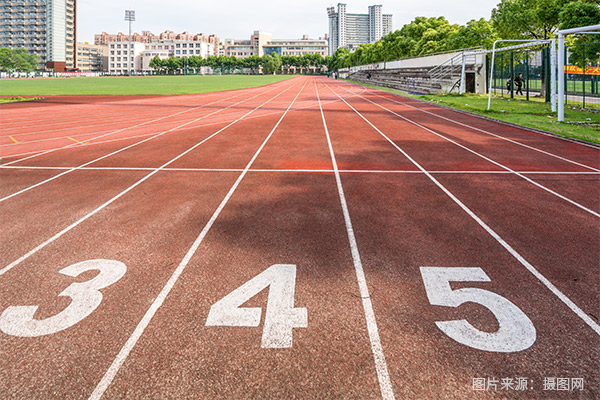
x=351, y=30
x=43, y=27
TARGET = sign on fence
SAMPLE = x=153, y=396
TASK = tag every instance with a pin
x=575, y=70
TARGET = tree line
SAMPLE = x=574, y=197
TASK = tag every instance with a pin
x=511, y=19
x=270, y=63
x=17, y=60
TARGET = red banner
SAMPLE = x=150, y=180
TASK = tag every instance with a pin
x=575, y=70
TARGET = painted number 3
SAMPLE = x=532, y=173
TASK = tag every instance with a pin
x=85, y=298
x=516, y=331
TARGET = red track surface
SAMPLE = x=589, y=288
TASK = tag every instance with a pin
x=358, y=189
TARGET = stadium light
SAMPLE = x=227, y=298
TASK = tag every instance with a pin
x=129, y=16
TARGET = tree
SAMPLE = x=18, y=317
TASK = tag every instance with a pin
x=271, y=63
x=576, y=14
x=17, y=60
x=6, y=62
x=475, y=33
x=527, y=19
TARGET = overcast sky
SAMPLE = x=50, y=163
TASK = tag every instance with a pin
x=237, y=19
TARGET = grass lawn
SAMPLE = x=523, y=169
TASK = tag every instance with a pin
x=133, y=85
x=580, y=124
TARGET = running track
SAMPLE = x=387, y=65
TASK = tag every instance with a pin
x=306, y=239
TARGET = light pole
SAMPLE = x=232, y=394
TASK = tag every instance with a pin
x=129, y=16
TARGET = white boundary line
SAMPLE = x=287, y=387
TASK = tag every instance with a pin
x=43, y=152
x=385, y=385
x=493, y=134
x=125, y=148
x=359, y=171
x=576, y=204
x=36, y=153
x=145, y=321
x=96, y=210
x=568, y=302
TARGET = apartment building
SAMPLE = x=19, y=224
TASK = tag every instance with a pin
x=124, y=57
x=262, y=43
x=91, y=57
x=351, y=30
x=43, y=27
x=148, y=37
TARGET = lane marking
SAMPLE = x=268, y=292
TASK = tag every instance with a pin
x=75, y=140
x=132, y=127
x=383, y=376
x=308, y=170
x=43, y=152
x=568, y=302
x=499, y=136
x=14, y=140
x=576, y=204
x=122, y=149
x=112, y=200
x=145, y=321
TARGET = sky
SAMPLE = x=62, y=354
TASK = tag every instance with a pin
x=237, y=19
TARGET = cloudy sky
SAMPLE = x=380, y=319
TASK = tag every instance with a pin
x=236, y=19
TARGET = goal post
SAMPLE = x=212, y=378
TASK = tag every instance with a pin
x=592, y=29
x=529, y=43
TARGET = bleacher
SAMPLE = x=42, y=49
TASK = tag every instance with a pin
x=413, y=80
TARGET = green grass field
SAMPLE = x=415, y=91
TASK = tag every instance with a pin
x=580, y=124
x=133, y=85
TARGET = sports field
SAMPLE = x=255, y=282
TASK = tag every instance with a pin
x=177, y=84
x=311, y=238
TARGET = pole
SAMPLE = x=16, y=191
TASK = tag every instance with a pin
x=462, y=73
x=584, y=66
x=492, y=74
x=553, y=73
x=561, y=77
x=527, y=71
x=512, y=76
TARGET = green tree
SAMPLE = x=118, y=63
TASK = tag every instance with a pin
x=576, y=14
x=6, y=62
x=527, y=19
x=474, y=33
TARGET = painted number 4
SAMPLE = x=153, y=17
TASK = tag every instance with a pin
x=516, y=331
x=280, y=317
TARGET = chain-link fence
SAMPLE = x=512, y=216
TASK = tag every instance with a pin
x=525, y=74
x=582, y=75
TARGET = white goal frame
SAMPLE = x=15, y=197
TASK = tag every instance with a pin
x=530, y=43
x=561, y=62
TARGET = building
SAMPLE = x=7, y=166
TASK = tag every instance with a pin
x=351, y=30
x=43, y=27
x=262, y=43
x=91, y=57
x=125, y=57
x=148, y=37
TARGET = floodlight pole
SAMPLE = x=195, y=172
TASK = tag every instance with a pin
x=129, y=16
x=561, y=64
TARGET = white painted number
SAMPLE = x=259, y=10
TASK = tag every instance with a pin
x=516, y=331
x=85, y=298
x=280, y=317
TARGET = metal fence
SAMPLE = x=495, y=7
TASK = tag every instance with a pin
x=582, y=74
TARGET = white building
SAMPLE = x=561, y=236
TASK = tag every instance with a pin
x=262, y=43
x=139, y=54
x=351, y=30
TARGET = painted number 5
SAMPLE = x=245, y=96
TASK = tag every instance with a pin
x=281, y=316
x=516, y=331
x=85, y=298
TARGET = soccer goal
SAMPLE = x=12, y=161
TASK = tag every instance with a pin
x=524, y=47
x=592, y=29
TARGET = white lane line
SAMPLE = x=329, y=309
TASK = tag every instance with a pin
x=139, y=330
x=576, y=204
x=568, y=302
x=37, y=154
x=123, y=149
x=494, y=134
x=343, y=171
x=385, y=385
x=95, y=211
